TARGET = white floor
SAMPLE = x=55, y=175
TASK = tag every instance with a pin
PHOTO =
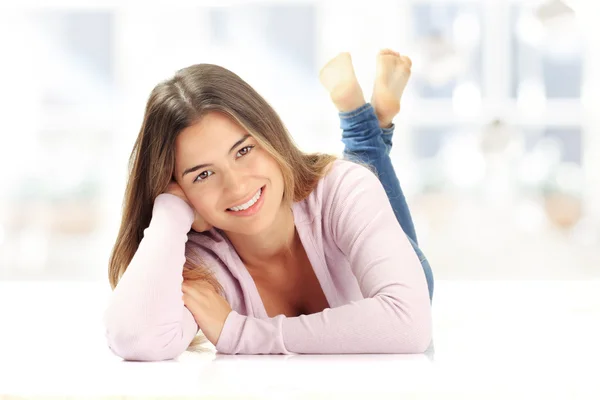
x=492, y=339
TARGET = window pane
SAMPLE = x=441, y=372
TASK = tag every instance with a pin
x=547, y=52
x=448, y=49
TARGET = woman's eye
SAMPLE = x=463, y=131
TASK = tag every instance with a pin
x=203, y=175
x=244, y=148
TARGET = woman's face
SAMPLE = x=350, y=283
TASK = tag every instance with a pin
x=219, y=166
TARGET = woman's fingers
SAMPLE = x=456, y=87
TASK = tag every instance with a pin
x=200, y=292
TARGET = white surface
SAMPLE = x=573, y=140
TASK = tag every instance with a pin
x=492, y=340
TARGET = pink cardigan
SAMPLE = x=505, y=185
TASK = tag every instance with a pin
x=368, y=271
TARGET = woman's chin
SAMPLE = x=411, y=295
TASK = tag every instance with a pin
x=242, y=230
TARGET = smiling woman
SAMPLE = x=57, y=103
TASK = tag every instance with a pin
x=275, y=233
x=232, y=178
x=196, y=116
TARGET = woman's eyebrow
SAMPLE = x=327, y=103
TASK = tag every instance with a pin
x=197, y=167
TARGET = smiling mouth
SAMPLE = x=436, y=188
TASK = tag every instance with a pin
x=260, y=190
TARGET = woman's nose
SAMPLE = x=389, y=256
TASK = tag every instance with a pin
x=235, y=183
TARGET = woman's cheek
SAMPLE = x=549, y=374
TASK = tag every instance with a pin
x=205, y=208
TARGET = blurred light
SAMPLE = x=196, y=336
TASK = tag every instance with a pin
x=532, y=171
x=551, y=23
x=464, y=165
x=437, y=60
x=562, y=39
x=2, y=234
x=431, y=174
x=495, y=137
x=587, y=94
x=550, y=150
x=466, y=99
x=550, y=10
x=529, y=29
x=586, y=232
x=466, y=30
x=530, y=216
x=563, y=209
x=33, y=238
x=531, y=97
x=569, y=178
x=536, y=167
x=579, y=6
x=586, y=13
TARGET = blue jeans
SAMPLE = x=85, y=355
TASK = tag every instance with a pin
x=366, y=142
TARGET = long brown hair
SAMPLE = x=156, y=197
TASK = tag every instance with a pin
x=176, y=104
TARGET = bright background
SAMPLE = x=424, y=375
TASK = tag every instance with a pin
x=497, y=146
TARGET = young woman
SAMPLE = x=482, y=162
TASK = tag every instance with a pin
x=230, y=229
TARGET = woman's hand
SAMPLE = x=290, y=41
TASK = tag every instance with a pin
x=199, y=224
x=209, y=308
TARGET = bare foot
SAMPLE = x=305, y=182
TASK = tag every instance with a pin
x=337, y=76
x=391, y=77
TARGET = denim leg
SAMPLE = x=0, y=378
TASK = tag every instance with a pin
x=386, y=135
x=364, y=140
x=426, y=267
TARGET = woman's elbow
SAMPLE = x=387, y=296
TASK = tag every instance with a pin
x=416, y=326
x=136, y=347
x=421, y=336
x=420, y=328
x=413, y=339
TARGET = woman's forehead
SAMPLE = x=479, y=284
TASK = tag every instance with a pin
x=208, y=139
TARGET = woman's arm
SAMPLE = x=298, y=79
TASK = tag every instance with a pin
x=146, y=318
x=394, y=317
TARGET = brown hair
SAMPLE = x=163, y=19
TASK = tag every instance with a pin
x=176, y=104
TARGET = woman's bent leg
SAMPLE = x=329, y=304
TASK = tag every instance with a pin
x=386, y=135
x=365, y=141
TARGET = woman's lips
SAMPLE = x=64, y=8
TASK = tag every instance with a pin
x=254, y=209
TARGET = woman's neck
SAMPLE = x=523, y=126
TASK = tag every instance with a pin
x=272, y=247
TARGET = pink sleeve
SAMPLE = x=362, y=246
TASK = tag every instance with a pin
x=394, y=316
x=146, y=319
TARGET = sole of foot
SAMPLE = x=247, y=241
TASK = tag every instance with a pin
x=392, y=74
x=339, y=79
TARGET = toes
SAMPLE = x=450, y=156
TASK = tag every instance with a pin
x=344, y=54
x=404, y=62
x=389, y=52
x=341, y=57
x=386, y=52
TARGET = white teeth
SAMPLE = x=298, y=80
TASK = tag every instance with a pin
x=249, y=203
